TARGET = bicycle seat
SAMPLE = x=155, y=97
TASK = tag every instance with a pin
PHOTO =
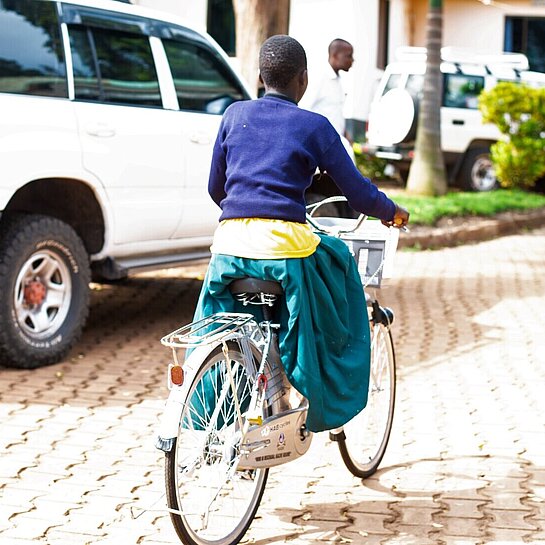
x=254, y=286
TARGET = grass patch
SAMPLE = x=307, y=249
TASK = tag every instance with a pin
x=428, y=210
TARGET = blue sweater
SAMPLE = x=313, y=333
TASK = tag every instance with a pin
x=265, y=155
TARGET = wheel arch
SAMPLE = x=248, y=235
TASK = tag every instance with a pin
x=474, y=144
x=69, y=200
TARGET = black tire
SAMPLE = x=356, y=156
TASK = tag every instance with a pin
x=403, y=175
x=477, y=172
x=41, y=318
x=203, y=454
x=364, y=441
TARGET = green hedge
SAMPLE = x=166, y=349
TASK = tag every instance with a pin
x=428, y=210
x=519, y=113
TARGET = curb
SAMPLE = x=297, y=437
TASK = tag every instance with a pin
x=474, y=230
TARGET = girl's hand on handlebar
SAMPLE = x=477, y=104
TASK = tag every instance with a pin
x=400, y=220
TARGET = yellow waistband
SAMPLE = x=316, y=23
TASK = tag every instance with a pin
x=258, y=238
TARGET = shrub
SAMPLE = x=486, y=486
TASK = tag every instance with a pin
x=519, y=113
x=368, y=165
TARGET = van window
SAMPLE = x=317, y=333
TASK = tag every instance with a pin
x=113, y=66
x=31, y=54
x=203, y=82
x=415, y=86
x=462, y=91
x=392, y=83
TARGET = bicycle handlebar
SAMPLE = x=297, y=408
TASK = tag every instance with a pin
x=311, y=209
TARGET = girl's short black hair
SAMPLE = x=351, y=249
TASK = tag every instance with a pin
x=281, y=58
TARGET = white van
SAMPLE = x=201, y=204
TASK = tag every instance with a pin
x=109, y=116
x=465, y=139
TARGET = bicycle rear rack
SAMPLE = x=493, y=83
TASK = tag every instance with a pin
x=211, y=329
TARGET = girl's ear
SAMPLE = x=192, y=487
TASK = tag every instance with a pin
x=260, y=78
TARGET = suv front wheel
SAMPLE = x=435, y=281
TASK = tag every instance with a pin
x=44, y=280
x=477, y=172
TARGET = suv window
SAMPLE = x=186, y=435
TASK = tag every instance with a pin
x=415, y=85
x=113, y=66
x=203, y=82
x=392, y=83
x=462, y=91
x=31, y=54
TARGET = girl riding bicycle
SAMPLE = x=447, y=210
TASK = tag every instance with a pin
x=265, y=155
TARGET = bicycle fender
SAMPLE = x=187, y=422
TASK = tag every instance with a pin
x=172, y=413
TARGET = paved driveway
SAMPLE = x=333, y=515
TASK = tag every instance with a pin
x=466, y=463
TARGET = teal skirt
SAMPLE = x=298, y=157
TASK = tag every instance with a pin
x=324, y=333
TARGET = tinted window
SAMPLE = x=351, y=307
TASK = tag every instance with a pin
x=527, y=35
x=415, y=85
x=392, y=83
x=123, y=71
x=461, y=91
x=31, y=56
x=84, y=66
x=203, y=82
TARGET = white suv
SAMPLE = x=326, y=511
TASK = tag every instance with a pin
x=109, y=115
x=465, y=139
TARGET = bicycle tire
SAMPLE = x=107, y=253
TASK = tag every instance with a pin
x=365, y=438
x=196, y=467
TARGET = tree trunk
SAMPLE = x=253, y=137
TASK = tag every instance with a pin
x=427, y=175
x=255, y=21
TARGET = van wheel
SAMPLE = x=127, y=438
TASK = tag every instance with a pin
x=44, y=281
x=477, y=172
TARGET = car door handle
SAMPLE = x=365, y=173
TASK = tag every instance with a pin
x=102, y=130
x=458, y=122
x=200, y=138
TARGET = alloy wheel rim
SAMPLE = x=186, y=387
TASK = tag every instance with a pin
x=482, y=174
x=42, y=294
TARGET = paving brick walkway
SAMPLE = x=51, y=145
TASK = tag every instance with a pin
x=466, y=462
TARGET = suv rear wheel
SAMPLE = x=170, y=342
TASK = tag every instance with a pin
x=477, y=172
x=44, y=279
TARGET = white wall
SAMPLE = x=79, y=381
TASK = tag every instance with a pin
x=315, y=23
x=472, y=24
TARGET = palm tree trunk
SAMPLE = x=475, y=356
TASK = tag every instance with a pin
x=427, y=175
x=255, y=21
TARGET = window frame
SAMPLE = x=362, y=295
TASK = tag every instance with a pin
x=508, y=39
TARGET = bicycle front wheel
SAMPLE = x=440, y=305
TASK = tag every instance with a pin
x=211, y=503
x=366, y=436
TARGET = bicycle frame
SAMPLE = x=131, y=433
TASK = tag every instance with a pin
x=265, y=442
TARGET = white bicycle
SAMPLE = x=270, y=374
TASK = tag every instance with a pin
x=228, y=417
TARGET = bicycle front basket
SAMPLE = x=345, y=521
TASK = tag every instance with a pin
x=373, y=246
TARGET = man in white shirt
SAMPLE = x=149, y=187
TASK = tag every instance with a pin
x=325, y=94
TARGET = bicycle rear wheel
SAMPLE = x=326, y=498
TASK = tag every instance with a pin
x=214, y=503
x=365, y=437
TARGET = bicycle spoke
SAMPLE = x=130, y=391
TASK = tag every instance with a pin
x=209, y=497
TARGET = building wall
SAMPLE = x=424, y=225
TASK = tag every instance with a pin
x=315, y=23
x=472, y=24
